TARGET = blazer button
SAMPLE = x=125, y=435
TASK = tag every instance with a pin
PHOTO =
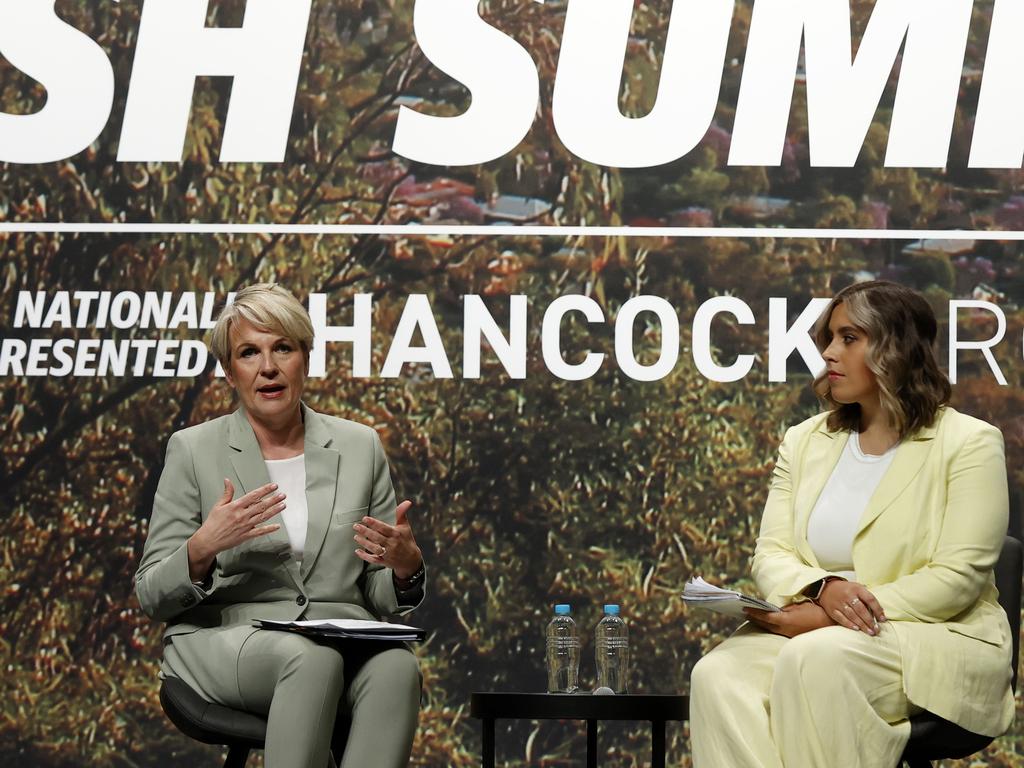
x=188, y=600
x=300, y=600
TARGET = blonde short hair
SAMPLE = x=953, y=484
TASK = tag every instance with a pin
x=901, y=333
x=268, y=306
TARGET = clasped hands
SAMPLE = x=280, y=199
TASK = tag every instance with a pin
x=846, y=603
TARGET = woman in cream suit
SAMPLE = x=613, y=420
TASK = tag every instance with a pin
x=885, y=518
x=279, y=512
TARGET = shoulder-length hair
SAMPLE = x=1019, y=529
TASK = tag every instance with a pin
x=901, y=330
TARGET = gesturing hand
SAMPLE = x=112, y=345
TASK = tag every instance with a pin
x=393, y=546
x=792, y=620
x=851, y=605
x=231, y=522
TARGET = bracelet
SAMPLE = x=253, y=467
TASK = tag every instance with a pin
x=404, y=585
x=207, y=581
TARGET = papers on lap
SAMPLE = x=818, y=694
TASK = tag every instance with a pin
x=347, y=629
x=699, y=594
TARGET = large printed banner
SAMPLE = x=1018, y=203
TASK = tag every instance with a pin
x=95, y=314
x=563, y=256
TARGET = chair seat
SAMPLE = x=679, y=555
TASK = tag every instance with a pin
x=934, y=738
x=207, y=722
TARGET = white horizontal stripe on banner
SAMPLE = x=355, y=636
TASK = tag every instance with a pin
x=506, y=230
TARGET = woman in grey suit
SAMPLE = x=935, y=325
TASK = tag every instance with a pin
x=255, y=517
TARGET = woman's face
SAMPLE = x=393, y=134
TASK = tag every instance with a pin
x=849, y=378
x=268, y=371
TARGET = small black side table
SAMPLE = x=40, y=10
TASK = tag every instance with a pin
x=488, y=707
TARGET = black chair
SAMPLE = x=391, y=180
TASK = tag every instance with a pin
x=210, y=723
x=933, y=738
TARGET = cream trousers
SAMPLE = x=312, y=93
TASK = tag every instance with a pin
x=829, y=698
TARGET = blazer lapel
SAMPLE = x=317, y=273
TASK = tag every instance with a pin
x=820, y=458
x=247, y=460
x=910, y=457
x=323, y=467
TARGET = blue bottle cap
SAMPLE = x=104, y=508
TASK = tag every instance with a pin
x=611, y=609
x=563, y=609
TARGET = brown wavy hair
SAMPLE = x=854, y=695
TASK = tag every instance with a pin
x=901, y=331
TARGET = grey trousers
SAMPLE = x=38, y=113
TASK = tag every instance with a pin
x=300, y=685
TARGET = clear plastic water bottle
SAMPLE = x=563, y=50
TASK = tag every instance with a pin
x=611, y=651
x=563, y=652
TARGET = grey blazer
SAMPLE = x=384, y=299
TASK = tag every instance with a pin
x=346, y=477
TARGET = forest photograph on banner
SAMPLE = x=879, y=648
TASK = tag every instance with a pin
x=565, y=257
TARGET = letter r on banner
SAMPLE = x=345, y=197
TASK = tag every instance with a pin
x=175, y=47
x=984, y=346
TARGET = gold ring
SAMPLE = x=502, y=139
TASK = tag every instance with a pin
x=383, y=551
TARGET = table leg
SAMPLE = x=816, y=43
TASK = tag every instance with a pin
x=591, y=743
x=488, y=742
x=657, y=744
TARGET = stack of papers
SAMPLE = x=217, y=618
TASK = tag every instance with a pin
x=699, y=594
x=347, y=629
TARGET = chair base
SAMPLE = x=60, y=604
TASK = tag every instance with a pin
x=237, y=756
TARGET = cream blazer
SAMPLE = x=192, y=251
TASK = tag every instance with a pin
x=925, y=547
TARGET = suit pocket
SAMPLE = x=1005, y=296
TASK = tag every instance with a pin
x=984, y=621
x=349, y=516
x=987, y=632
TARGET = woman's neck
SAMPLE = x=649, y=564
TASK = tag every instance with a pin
x=279, y=440
x=877, y=435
